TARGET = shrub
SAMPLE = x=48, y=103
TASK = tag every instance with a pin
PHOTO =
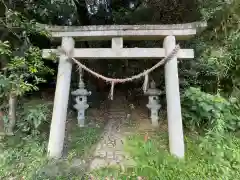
x=201, y=109
x=33, y=116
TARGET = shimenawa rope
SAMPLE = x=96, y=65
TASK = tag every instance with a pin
x=114, y=81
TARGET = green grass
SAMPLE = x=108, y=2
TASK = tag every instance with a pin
x=206, y=158
x=25, y=156
x=21, y=156
x=81, y=140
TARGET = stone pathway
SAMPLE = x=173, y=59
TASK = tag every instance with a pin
x=110, y=150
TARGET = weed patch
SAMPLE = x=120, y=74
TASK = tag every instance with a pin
x=205, y=159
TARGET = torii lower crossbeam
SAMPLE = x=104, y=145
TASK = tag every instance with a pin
x=123, y=53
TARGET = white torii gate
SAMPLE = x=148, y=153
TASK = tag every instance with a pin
x=118, y=33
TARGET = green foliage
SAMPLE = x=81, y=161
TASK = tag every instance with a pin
x=22, y=61
x=203, y=160
x=214, y=112
x=50, y=12
x=5, y=48
x=21, y=156
x=208, y=9
x=24, y=156
x=80, y=143
x=22, y=74
x=13, y=20
x=32, y=117
x=23, y=66
x=81, y=140
x=216, y=66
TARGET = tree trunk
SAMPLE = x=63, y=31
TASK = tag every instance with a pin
x=12, y=113
x=2, y=132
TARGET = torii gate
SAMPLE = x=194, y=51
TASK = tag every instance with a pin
x=118, y=33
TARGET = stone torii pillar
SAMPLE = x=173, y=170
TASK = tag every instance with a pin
x=175, y=128
x=57, y=131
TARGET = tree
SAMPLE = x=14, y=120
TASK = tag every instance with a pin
x=21, y=63
x=216, y=67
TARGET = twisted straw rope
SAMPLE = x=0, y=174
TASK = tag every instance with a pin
x=114, y=81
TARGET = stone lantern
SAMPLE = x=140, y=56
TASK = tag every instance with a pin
x=153, y=102
x=81, y=101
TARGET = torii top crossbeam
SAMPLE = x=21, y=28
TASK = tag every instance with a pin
x=128, y=32
x=124, y=32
